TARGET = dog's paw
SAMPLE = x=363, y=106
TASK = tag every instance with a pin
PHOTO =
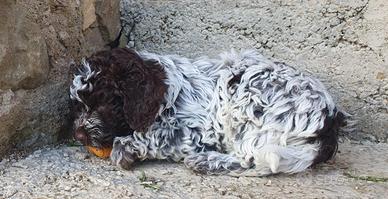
x=122, y=155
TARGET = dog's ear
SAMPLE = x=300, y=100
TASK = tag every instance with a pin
x=139, y=85
x=142, y=90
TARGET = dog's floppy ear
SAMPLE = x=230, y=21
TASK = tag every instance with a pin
x=142, y=88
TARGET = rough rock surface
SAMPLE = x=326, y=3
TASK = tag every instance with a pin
x=69, y=172
x=101, y=23
x=23, y=56
x=38, y=42
x=344, y=43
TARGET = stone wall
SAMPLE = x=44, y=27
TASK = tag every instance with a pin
x=343, y=42
x=38, y=42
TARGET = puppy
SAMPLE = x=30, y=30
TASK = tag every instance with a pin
x=239, y=114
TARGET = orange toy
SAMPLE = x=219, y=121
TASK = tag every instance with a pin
x=100, y=152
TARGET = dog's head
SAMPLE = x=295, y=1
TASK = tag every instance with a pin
x=115, y=93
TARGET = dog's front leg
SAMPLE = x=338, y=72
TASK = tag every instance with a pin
x=126, y=150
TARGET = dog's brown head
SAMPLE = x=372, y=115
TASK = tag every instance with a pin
x=115, y=93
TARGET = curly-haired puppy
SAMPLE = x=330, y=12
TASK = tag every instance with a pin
x=240, y=114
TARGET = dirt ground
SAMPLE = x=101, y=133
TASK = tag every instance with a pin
x=359, y=171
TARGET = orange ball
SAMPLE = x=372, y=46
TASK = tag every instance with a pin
x=100, y=152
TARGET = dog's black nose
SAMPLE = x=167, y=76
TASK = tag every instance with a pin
x=81, y=136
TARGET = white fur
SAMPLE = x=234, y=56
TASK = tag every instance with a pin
x=80, y=82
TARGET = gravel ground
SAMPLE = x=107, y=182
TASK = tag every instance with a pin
x=359, y=171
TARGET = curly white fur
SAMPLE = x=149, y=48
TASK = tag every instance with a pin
x=80, y=82
x=258, y=125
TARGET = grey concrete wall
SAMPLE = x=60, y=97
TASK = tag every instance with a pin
x=344, y=43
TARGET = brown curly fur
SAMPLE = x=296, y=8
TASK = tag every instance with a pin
x=127, y=92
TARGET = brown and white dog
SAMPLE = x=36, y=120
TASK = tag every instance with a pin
x=240, y=114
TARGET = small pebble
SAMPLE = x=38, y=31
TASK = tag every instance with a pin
x=19, y=165
x=268, y=183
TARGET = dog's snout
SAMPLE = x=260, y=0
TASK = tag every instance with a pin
x=80, y=135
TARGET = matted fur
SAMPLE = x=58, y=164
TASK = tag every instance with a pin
x=240, y=114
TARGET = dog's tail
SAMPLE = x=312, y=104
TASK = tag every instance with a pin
x=327, y=137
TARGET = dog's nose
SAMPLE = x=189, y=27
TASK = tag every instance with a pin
x=81, y=136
